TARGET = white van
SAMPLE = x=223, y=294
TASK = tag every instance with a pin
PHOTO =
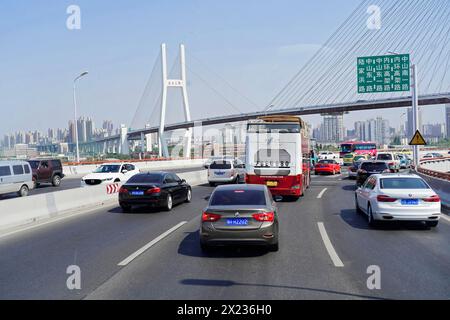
x=15, y=177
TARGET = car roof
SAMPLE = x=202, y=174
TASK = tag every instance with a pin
x=10, y=162
x=258, y=187
x=397, y=175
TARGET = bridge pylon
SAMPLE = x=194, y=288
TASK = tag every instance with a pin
x=175, y=83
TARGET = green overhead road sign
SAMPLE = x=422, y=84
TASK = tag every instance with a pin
x=390, y=73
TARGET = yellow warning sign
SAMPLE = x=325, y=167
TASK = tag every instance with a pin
x=418, y=140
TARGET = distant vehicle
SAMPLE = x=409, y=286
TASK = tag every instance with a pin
x=326, y=155
x=285, y=167
x=156, y=189
x=432, y=155
x=215, y=158
x=110, y=173
x=47, y=171
x=226, y=171
x=327, y=166
x=392, y=160
x=15, y=177
x=405, y=162
x=361, y=157
x=240, y=214
x=406, y=197
x=368, y=168
x=353, y=169
x=358, y=147
x=349, y=159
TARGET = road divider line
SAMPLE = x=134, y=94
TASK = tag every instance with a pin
x=319, y=196
x=150, y=244
x=329, y=246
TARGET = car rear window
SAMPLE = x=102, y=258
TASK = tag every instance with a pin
x=327, y=161
x=221, y=165
x=374, y=166
x=238, y=198
x=403, y=183
x=384, y=156
x=146, y=178
x=56, y=164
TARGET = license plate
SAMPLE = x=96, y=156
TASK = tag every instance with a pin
x=137, y=193
x=237, y=222
x=410, y=202
x=272, y=183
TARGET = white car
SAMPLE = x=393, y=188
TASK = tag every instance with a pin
x=391, y=158
x=406, y=197
x=109, y=173
x=215, y=158
x=328, y=155
x=226, y=171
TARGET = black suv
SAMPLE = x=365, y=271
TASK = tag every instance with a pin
x=47, y=171
x=368, y=168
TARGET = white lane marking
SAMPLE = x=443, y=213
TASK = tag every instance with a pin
x=151, y=244
x=329, y=246
x=321, y=193
x=445, y=217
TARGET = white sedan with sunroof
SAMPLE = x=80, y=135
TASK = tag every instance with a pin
x=405, y=197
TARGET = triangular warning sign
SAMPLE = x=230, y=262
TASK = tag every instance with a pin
x=418, y=140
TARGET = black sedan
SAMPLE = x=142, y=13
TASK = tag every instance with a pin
x=368, y=168
x=157, y=189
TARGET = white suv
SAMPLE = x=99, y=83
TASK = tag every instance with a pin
x=109, y=173
x=226, y=171
x=391, y=159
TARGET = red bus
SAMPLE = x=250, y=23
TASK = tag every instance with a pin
x=358, y=147
x=278, y=155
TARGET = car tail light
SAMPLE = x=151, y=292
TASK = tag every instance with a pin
x=384, y=198
x=264, y=217
x=386, y=171
x=210, y=217
x=434, y=198
x=123, y=190
x=153, y=190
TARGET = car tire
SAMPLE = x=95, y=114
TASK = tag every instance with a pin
x=205, y=248
x=372, y=222
x=56, y=180
x=23, y=192
x=432, y=224
x=189, y=196
x=126, y=208
x=212, y=184
x=117, y=181
x=169, y=203
x=274, y=247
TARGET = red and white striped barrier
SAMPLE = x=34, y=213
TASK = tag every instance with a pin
x=112, y=188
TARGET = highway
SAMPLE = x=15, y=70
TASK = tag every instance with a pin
x=70, y=182
x=413, y=259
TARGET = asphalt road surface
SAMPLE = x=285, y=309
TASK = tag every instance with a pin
x=413, y=260
x=72, y=183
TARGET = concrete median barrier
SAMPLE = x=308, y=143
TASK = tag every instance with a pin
x=22, y=211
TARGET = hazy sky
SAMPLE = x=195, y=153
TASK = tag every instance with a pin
x=256, y=46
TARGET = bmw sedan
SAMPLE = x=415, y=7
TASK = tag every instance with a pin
x=240, y=214
x=156, y=189
x=405, y=197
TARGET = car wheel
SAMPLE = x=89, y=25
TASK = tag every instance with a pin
x=169, y=203
x=372, y=221
x=23, y=192
x=117, y=181
x=126, y=208
x=432, y=224
x=189, y=195
x=205, y=248
x=212, y=184
x=358, y=209
x=56, y=181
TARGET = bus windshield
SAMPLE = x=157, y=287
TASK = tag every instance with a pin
x=346, y=148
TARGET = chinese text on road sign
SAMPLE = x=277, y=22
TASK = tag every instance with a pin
x=389, y=73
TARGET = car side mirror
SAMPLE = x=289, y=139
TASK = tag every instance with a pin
x=206, y=167
x=182, y=181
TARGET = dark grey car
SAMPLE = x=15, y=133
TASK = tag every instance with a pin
x=240, y=214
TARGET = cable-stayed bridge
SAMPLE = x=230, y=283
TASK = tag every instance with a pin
x=327, y=83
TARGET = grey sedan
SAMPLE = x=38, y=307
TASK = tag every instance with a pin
x=240, y=214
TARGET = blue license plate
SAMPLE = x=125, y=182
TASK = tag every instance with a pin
x=410, y=202
x=237, y=222
x=137, y=193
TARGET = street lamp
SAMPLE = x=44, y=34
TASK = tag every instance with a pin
x=75, y=106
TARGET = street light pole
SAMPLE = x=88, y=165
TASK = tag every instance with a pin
x=75, y=112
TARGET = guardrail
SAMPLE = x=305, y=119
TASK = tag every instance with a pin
x=445, y=175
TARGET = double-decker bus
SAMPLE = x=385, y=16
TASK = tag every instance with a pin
x=359, y=148
x=278, y=155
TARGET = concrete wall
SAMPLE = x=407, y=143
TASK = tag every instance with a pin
x=21, y=211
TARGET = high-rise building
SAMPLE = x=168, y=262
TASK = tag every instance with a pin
x=90, y=128
x=71, y=138
x=409, y=123
x=108, y=127
x=333, y=128
x=447, y=120
x=81, y=126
